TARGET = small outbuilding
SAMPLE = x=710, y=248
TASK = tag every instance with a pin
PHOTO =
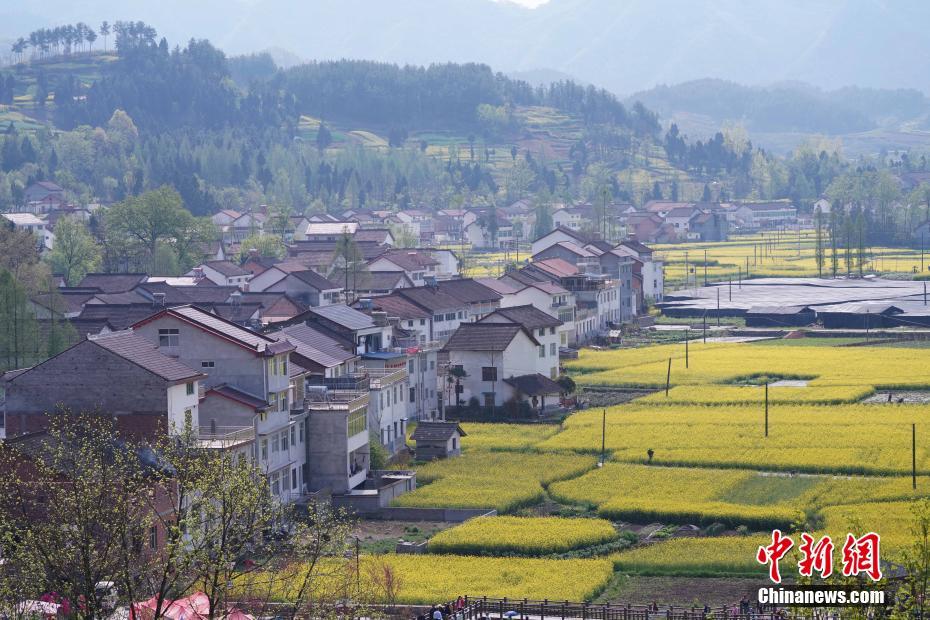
x=858, y=315
x=780, y=316
x=438, y=440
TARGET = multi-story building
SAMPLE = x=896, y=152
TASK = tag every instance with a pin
x=254, y=367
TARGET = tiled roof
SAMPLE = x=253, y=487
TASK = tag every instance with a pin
x=636, y=246
x=534, y=385
x=436, y=431
x=484, y=337
x=409, y=260
x=141, y=352
x=226, y=268
x=528, y=316
x=398, y=306
x=556, y=267
x=368, y=249
x=383, y=281
x=212, y=323
x=314, y=345
x=117, y=316
x=499, y=286
x=378, y=235
x=112, y=282
x=430, y=298
x=468, y=290
x=228, y=391
x=332, y=228
x=343, y=315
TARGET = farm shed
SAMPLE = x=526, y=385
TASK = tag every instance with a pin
x=858, y=315
x=780, y=316
x=438, y=440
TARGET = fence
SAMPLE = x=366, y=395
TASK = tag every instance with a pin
x=485, y=607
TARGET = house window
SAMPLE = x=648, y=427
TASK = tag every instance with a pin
x=275, y=444
x=190, y=388
x=542, y=350
x=273, y=400
x=450, y=316
x=207, y=364
x=294, y=479
x=409, y=323
x=552, y=348
x=413, y=394
x=437, y=318
x=284, y=366
x=551, y=331
x=422, y=321
x=264, y=449
x=489, y=373
x=461, y=314
x=302, y=430
x=542, y=331
x=410, y=366
x=488, y=399
x=455, y=443
x=169, y=338
x=432, y=364
x=293, y=436
x=276, y=483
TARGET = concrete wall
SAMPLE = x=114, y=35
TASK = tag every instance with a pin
x=87, y=378
x=328, y=450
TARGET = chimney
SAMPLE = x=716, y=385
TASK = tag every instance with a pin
x=158, y=299
x=380, y=318
x=198, y=273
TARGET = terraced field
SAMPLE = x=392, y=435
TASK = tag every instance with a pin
x=829, y=465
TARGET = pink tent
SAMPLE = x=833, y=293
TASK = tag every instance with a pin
x=194, y=607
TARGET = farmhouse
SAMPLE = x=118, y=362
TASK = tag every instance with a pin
x=438, y=440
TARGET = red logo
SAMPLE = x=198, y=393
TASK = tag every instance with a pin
x=859, y=555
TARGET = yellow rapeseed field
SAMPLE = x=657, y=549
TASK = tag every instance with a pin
x=703, y=557
x=522, y=535
x=438, y=578
x=746, y=394
x=487, y=479
x=493, y=436
x=646, y=493
x=838, y=439
x=722, y=363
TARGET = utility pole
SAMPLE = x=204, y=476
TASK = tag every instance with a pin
x=687, y=338
x=718, y=306
x=705, y=267
x=705, y=326
x=925, y=293
x=913, y=456
x=739, y=274
x=668, y=377
x=731, y=288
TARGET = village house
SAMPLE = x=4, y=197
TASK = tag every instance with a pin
x=299, y=282
x=417, y=265
x=544, y=327
x=546, y=296
x=649, y=268
x=765, y=215
x=251, y=368
x=42, y=197
x=438, y=440
x=94, y=375
x=501, y=362
x=222, y=273
x=28, y=222
x=484, y=236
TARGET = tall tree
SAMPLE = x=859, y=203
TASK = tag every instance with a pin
x=75, y=252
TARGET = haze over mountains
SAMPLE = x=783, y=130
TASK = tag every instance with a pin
x=623, y=45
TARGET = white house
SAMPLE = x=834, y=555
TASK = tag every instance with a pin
x=545, y=328
x=501, y=362
x=222, y=273
x=652, y=270
x=299, y=282
x=557, y=235
x=31, y=223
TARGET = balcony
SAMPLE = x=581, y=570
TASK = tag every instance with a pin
x=224, y=437
x=383, y=377
x=336, y=400
x=353, y=382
